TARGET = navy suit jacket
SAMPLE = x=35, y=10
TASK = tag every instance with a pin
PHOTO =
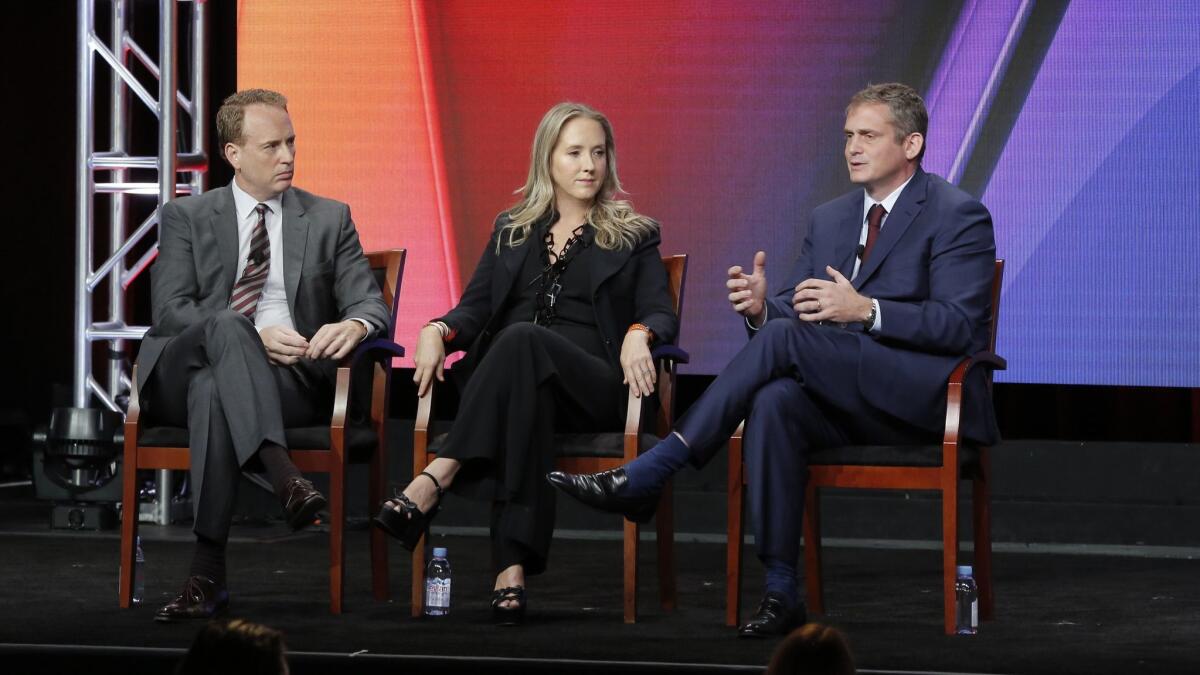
x=931, y=271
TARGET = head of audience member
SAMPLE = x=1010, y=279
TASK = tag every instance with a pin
x=812, y=649
x=885, y=136
x=235, y=647
x=572, y=166
x=257, y=139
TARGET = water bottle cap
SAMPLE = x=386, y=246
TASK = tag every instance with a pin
x=439, y=552
x=965, y=571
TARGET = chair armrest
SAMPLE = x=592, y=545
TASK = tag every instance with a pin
x=376, y=347
x=670, y=353
x=989, y=359
x=982, y=359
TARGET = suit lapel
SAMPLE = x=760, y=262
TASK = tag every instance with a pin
x=605, y=263
x=845, y=249
x=508, y=270
x=295, y=239
x=224, y=226
x=906, y=209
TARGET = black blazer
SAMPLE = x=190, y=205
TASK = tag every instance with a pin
x=628, y=286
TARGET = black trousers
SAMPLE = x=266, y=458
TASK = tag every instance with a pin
x=215, y=379
x=531, y=383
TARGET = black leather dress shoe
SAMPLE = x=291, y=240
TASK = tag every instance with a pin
x=602, y=491
x=201, y=598
x=773, y=618
x=301, y=502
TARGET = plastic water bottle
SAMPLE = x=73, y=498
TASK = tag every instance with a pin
x=967, y=601
x=437, y=584
x=139, y=576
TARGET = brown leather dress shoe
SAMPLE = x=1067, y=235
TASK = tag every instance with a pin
x=201, y=598
x=301, y=502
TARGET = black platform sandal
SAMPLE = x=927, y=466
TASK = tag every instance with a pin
x=513, y=614
x=409, y=523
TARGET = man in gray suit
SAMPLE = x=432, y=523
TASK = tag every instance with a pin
x=259, y=289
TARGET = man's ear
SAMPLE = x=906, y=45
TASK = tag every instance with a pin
x=233, y=155
x=912, y=145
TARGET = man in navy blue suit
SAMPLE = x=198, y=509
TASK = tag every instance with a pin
x=891, y=289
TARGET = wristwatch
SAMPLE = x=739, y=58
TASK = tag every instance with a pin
x=869, y=322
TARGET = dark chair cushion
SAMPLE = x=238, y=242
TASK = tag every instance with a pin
x=360, y=441
x=891, y=455
x=598, y=444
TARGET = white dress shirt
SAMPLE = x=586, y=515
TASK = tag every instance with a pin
x=272, y=305
x=888, y=203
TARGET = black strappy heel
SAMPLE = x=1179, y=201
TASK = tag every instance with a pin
x=409, y=523
x=513, y=614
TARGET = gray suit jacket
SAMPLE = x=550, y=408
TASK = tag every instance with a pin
x=326, y=275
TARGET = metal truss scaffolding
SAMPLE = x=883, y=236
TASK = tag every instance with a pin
x=178, y=152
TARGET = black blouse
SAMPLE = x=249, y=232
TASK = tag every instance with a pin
x=573, y=315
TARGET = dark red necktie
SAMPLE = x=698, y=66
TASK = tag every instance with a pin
x=874, y=220
x=249, y=288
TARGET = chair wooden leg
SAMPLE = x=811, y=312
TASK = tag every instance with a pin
x=129, y=528
x=337, y=543
x=733, y=534
x=376, y=483
x=631, y=571
x=664, y=523
x=949, y=548
x=418, y=579
x=981, y=499
x=814, y=584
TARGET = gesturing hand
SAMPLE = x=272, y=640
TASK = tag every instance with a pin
x=430, y=359
x=837, y=301
x=284, y=345
x=335, y=340
x=640, y=374
x=748, y=292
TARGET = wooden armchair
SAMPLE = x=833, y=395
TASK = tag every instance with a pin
x=933, y=467
x=325, y=449
x=587, y=453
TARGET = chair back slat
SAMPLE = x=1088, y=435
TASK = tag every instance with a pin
x=997, y=281
x=676, y=273
x=387, y=266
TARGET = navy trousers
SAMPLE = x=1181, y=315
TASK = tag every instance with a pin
x=798, y=387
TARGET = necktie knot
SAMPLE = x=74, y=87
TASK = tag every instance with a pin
x=874, y=221
x=262, y=209
x=875, y=215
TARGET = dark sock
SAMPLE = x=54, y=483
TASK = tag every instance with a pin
x=651, y=470
x=209, y=560
x=279, y=466
x=781, y=580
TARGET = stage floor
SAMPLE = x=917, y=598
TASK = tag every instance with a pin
x=1056, y=613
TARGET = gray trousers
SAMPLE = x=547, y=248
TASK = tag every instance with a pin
x=215, y=379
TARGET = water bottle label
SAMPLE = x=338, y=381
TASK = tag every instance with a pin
x=437, y=593
x=974, y=614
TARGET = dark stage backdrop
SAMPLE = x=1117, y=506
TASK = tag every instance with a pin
x=728, y=118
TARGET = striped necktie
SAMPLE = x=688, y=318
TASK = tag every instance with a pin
x=249, y=288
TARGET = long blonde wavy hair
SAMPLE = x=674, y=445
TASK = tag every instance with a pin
x=617, y=225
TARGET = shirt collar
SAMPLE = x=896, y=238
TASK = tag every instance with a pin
x=888, y=202
x=244, y=203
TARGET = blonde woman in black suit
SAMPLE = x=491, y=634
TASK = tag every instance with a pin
x=558, y=321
